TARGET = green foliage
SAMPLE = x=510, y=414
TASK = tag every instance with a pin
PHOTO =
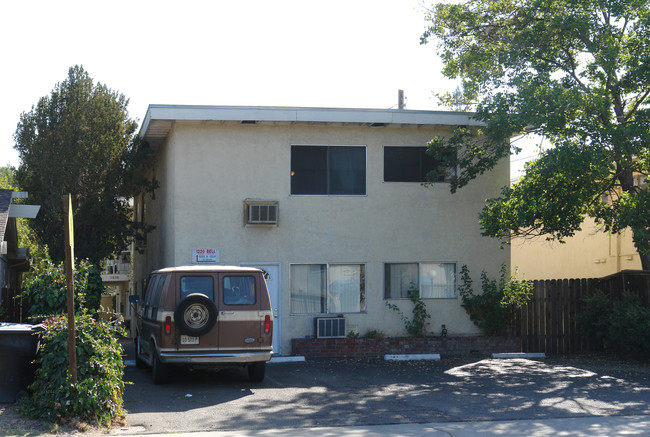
x=97, y=396
x=594, y=318
x=374, y=333
x=79, y=140
x=493, y=311
x=353, y=334
x=44, y=288
x=416, y=325
x=574, y=72
x=622, y=326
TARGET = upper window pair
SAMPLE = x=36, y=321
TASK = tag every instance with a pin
x=341, y=170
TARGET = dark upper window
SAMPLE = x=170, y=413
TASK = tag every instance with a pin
x=328, y=170
x=410, y=164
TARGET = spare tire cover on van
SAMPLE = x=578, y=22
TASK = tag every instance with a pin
x=195, y=315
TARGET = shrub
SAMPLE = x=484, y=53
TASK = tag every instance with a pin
x=494, y=310
x=416, y=325
x=45, y=290
x=374, y=333
x=97, y=396
x=622, y=327
x=595, y=317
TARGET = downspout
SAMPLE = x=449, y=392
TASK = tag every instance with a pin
x=618, y=252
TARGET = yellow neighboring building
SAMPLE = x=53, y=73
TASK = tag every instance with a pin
x=591, y=253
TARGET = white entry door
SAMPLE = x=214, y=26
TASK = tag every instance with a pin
x=273, y=284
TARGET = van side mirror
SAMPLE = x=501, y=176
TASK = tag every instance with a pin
x=134, y=298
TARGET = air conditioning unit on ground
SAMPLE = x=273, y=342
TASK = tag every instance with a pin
x=260, y=212
x=329, y=327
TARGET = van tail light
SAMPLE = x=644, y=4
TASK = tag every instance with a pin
x=168, y=325
x=267, y=324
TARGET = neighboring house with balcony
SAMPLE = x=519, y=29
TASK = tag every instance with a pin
x=329, y=202
x=14, y=260
x=116, y=278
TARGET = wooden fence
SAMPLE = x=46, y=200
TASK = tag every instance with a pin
x=549, y=323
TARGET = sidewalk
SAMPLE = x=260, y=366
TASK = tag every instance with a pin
x=575, y=426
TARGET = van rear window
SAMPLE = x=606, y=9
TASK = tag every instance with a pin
x=197, y=284
x=239, y=290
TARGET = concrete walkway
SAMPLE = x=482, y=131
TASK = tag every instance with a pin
x=574, y=426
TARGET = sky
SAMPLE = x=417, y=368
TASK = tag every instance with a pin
x=312, y=53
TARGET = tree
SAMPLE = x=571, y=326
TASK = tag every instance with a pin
x=574, y=71
x=79, y=140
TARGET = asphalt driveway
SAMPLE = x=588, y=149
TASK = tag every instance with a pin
x=356, y=392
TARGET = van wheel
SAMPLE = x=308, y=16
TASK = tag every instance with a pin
x=139, y=362
x=159, y=369
x=195, y=315
x=256, y=371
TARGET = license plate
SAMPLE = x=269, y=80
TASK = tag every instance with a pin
x=186, y=339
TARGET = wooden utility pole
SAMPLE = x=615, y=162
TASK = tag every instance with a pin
x=69, y=271
x=400, y=99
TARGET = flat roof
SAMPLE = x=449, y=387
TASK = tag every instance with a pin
x=159, y=119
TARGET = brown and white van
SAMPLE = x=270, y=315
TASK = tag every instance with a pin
x=205, y=316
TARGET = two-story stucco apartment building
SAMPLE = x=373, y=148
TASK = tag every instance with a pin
x=329, y=202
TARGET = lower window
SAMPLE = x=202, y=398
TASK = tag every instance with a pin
x=433, y=280
x=328, y=288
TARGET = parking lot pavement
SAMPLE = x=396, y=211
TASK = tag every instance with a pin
x=353, y=393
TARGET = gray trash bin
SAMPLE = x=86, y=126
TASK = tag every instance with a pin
x=19, y=344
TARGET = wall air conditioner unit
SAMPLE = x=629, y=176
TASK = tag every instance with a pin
x=329, y=327
x=259, y=212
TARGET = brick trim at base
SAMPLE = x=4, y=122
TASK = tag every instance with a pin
x=377, y=347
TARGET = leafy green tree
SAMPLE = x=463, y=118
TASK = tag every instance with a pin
x=576, y=72
x=79, y=140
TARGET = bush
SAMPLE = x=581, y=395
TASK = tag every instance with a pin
x=494, y=310
x=375, y=333
x=45, y=292
x=416, y=325
x=622, y=327
x=97, y=396
x=595, y=317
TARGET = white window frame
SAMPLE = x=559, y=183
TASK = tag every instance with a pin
x=420, y=281
x=328, y=292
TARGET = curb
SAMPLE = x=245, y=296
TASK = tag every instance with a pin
x=520, y=355
x=406, y=357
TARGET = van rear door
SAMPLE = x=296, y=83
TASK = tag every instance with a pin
x=240, y=320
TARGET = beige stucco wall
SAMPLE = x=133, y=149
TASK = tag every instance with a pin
x=591, y=253
x=206, y=170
